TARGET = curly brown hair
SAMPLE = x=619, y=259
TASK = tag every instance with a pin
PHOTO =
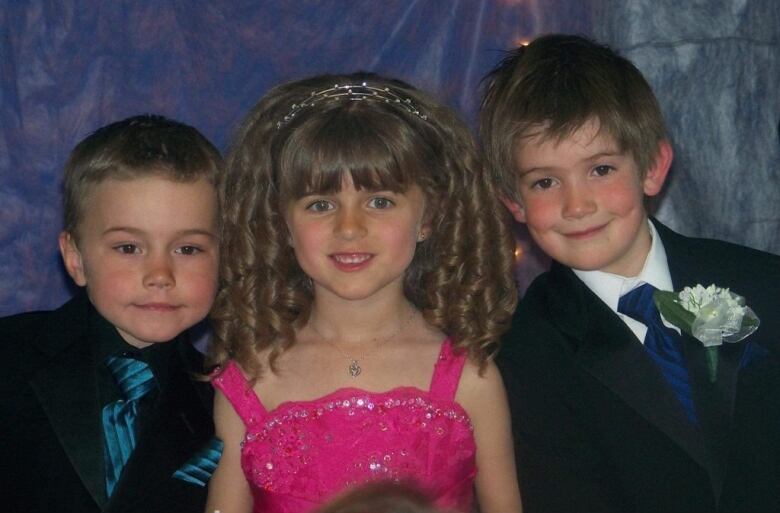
x=460, y=277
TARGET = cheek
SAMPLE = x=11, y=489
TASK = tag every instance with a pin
x=204, y=279
x=104, y=276
x=541, y=213
x=305, y=240
x=110, y=287
x=623, y=199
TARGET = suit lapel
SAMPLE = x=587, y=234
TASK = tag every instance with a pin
x=609, y=351
x=181, y=423
x=67, y=391
x=715, y=400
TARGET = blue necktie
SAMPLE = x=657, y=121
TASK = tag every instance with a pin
x=663, y=344
x=135, y=379
x=198, y=469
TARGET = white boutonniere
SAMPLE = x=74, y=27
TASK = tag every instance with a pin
x=712, y=315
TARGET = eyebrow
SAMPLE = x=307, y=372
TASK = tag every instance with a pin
x=181, y=233
x=608, y=152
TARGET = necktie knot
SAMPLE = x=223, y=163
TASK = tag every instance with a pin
x=134, y=377
x=663, y=344
x=639, y=305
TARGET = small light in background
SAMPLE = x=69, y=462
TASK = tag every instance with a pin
x=522, y=41
x=518, y=252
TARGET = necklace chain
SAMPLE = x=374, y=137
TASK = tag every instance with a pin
x=354, y=368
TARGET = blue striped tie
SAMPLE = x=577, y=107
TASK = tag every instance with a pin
x=663, y=344
x=135, y=379
x=198, y=469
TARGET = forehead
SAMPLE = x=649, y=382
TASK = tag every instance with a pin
x=151, y=204
x=539, y=148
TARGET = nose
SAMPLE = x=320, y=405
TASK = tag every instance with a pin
x=578, y=202
x=350, y=223
x=159, y=273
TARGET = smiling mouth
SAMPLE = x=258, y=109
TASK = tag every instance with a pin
x=349, y=262
x=584, y=234
x=351, y=258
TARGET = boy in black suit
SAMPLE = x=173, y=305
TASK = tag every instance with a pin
x=100, y=411
x=614, y=407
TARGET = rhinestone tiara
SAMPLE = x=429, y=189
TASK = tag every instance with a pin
x=352, y=92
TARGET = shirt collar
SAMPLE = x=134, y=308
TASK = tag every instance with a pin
x=655, y=271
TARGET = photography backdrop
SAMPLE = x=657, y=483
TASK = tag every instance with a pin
x=68, y=67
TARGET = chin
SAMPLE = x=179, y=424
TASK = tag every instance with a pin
x=586, y=264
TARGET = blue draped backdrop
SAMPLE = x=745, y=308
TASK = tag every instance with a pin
x=68, y=67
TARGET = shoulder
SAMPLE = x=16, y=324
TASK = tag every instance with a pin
x=479, y=390
x=29, y=324
x=716, y=253
x=23, y=337
x=24, y=324
x=554, y=298
x=749, y=272
x=34, y=339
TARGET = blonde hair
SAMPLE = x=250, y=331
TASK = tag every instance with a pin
x=460, y=277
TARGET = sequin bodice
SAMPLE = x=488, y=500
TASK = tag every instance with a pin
x=300, y=454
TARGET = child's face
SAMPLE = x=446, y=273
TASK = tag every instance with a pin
x=356, y=244
x=582, y=200
x=148, y=255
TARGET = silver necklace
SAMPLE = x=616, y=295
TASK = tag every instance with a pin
x=354, y=368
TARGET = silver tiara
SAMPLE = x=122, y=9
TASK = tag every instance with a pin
x=353, y=92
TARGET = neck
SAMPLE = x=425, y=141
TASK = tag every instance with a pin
x=358, y=323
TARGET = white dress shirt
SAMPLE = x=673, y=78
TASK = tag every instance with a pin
x=609, y=287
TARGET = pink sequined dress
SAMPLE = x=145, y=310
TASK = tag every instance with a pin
x=300, y=454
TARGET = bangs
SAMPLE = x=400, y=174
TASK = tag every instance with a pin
x=376, y=149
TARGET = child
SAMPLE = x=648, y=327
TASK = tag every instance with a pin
x=614, y=410
x=359, y=231
x=141, y=239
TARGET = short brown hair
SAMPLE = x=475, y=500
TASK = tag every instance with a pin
x=297, y=140
x=146, y=145
x=554, y=86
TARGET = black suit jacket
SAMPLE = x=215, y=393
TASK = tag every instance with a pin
x=52, y=444
x=596, y=426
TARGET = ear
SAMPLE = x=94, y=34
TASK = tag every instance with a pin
x=656, y=175
x=71, y=257
x=515, y=208
x=424, y=229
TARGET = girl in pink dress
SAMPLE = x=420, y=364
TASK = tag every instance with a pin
x=359, y=230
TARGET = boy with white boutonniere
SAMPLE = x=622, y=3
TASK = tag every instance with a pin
x=643, y=369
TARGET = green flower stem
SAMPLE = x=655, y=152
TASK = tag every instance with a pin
x=712, y=362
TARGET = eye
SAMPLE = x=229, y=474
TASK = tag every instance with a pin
x=127, y=249
x=319, y=206
x=544, y=183
x=380, y=202
x=603, y=170
x=188, y=250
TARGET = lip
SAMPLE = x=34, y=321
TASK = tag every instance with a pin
x=157, y=307
x=350, y=262
x=585, y=234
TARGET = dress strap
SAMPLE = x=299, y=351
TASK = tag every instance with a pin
x=447, y=371
x=231, y=381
